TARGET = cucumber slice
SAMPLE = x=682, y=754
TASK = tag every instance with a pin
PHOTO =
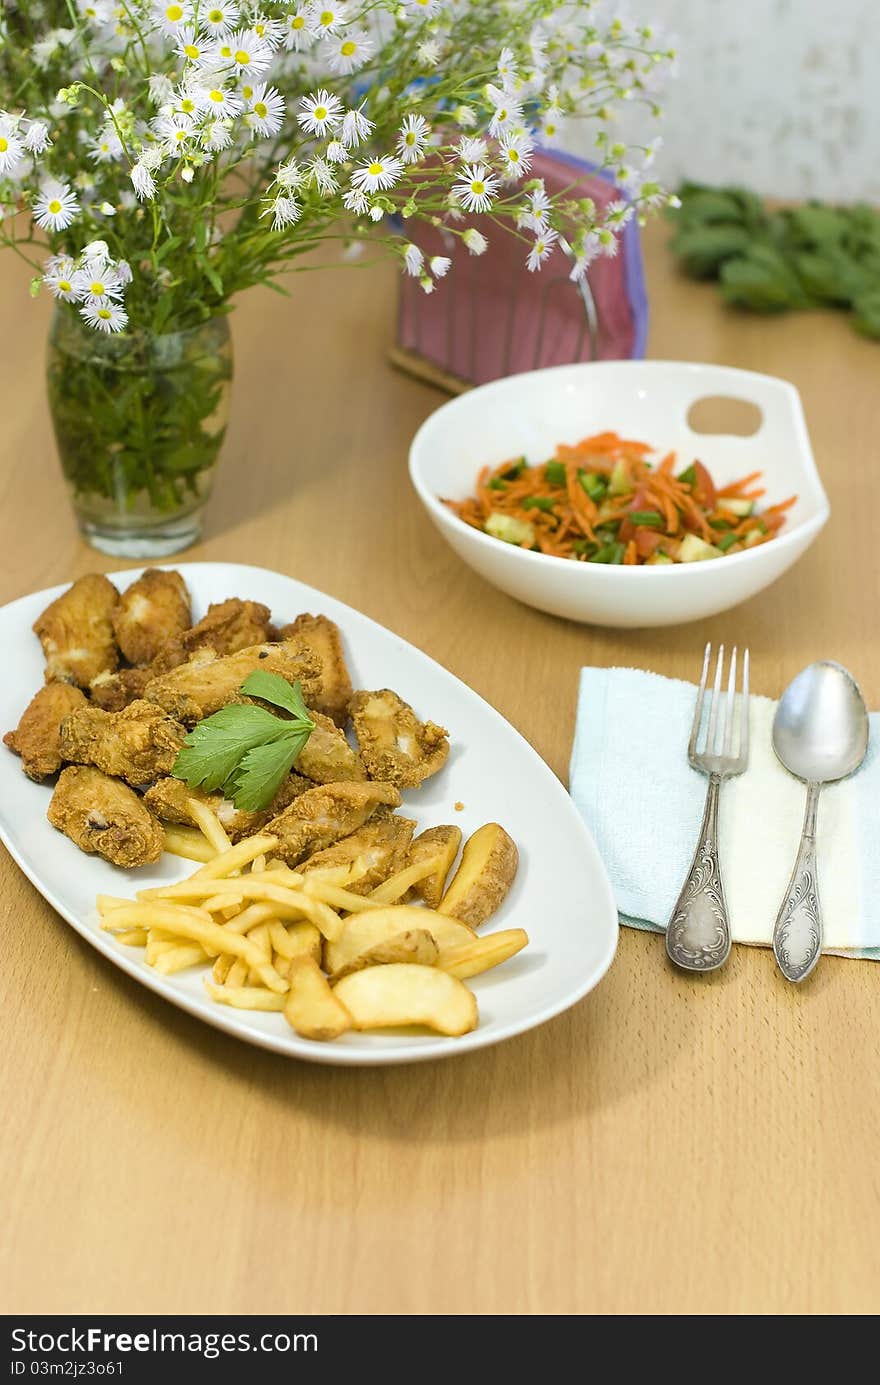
x=658, y=558
x=509, y=529
x=620, y=482
x=736, y=507
x=696, y=550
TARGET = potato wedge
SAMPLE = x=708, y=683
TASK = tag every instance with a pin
x=363, y=931
x=469, y=959
x=312, y=1009
x=386, y=997
x=416, y=945
x=488, y=865
x=440, y=846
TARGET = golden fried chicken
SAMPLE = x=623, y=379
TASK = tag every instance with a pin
x=205, y=683
x=382, y=842
x=76, y=632
x=37, y=738
x=113, y=691
x=152, y=611
x=395, y=746
x=327, y=756
x=321, y=635
x=138, y=744
x=323, y=814
x=228, y=627
x=105, y=817
x=168, y=800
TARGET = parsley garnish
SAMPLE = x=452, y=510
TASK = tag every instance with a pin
x=244, y=750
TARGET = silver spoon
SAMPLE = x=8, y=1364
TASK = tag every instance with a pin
x=820, y=734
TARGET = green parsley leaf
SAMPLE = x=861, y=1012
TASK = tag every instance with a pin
x=213, y=749
x=271, y=687
x=263, y=770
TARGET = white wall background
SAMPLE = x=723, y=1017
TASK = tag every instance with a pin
x=782, y=96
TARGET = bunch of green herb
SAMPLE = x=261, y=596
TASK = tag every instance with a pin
x=771, y=261
x=244, y=750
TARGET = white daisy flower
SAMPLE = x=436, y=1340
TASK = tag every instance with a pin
x=507, y=69
x=475, y=188
x=289, y=175
x=475, y=241
x=320, y=113
x=105, y=147
x=286, y=211
x=95, y=12
x=423, y=7
x=152, y=157
x=97, y=251
x=250, y=53
x=55, y=207
x=329, y=18
x=161, y=89
x=323, y=177
x=516, y=155
x=191, y=45
x=11, y=147
x=413, y=260
x=349, y=51
x=541, y=250
x=216, y=135
x=608, y=243
x=271, y=31
x=439, y=265
x=506, y=113
x=539, y=207
x=356, y=201
x=220, y=103
x=466, y=117
x=375, y=175
x=265, y=110
x=618, y=213
x=172, y=15
x=413, y=136
x=105, y=317
x=187, y=104
x=472, y=150
x=58, y=278
x=429, y=52
x=300, y=30
x=175, y=131
x=336, y=152
x=219, y=19
x=550, y=129
x=97, y=283
x=36, y=139
x=355, y=128
x=142, y=181
x=123, y=270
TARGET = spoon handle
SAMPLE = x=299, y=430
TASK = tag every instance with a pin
x=797, y=936
x=698, y=934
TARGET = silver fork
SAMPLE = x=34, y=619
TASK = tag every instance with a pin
x=698, y=933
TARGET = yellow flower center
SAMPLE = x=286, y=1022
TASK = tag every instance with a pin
x=348, y=49
x=549, y=128
x=298, y=22
x=96, y=288
x=192, y=51
x=180, y=136
x=187, y=105
x=513, y=156
x=410, y=138
x=65, y=286
x=174, y=12
x=215, y=16
x=261, y=110
x=216, y=97
x=260, y=29
x=4, y=145
x=375, y=169
x=105, y=314
x=327, y=17
x=320, y=113
x=247, y=93
x=54, y=206
x=478, y=188
x=225, y=50
x=242, y=56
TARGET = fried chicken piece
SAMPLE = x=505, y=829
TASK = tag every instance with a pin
x=76, y=632
x=205, y=683
x=152, y=611
x=323, y=814
x=113, y=691
x=321, y=635
x=327, y=757
x=168, y=800
x=383, y=841
x=228, y=627
x=37, y=738
x=137, y=744
x=105, y=817
x=395, y=746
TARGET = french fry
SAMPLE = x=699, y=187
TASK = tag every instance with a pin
x=209, y=824
x=363, y=931
x=401, y=994
x=256, y=887
x=222, y=966
x=480, y=954
x=236, y=857
x=134, y=937
x=396, y=886
x=336, y=896
x=258, y=864
x=245, y=997
x=250, y=917
x=151, y=916
x=311, y=1008
x=106, y=903
x=179, y=958
x=187, y=842
x=237, y=973
x=416, y=946
x=345, y=875
x=260, y=938
x=186, y=923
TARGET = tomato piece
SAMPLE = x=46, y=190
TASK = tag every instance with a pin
x=648, y=541
x=704, y=488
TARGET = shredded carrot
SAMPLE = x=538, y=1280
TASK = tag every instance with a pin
x=602, y=500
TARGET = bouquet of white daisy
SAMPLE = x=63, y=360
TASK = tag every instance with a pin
x=159, y=156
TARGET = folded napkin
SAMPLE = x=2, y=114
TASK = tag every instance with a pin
x=631, y=782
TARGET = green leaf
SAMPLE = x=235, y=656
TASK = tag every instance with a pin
x=867, y=314
x=704, y=249
x=763, y=281
x=213, y=278
x=271, y=687
x=262, y=771
x=213, y=749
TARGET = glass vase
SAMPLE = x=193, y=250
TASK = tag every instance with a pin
x=139, y=422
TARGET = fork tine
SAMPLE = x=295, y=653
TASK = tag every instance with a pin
x=698, y=710
x=716, y=698
x=730, y=706
x=744, y=711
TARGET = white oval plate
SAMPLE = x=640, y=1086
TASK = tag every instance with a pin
x=562, y=895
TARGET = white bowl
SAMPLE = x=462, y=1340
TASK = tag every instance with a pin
x=650, y=400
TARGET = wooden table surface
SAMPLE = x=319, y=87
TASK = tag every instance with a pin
x=671, y=1145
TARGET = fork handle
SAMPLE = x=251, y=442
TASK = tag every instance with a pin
x=698, y=933
x=797, y=936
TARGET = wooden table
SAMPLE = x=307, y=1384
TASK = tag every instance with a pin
x=669, y=1146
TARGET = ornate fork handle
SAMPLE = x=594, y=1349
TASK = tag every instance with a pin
x=698, y=934
x=797, y=936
